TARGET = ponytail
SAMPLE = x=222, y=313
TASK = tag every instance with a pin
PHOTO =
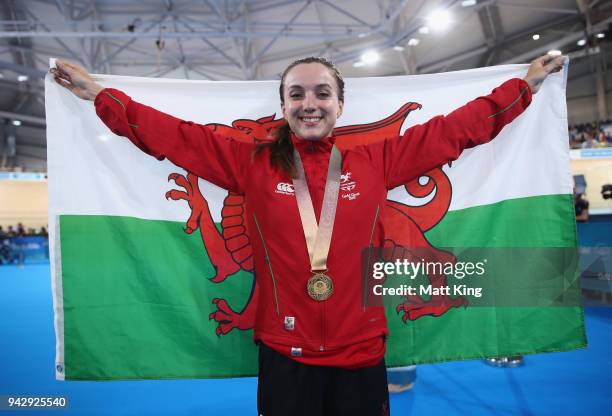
x=281, y=150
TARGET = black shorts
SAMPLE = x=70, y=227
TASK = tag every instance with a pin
x=289, y=388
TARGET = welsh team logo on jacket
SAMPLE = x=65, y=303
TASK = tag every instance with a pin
x=230, y=250
x=346, y=186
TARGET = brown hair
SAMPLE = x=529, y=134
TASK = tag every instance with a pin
x=281, y=148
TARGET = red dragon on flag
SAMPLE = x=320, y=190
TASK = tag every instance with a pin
x=230, y=250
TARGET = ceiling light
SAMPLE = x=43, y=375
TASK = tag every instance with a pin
x=362, y=35
x=16, y=122
x=358, y=64
x=601, y=35
x=423, y=30
x=398, y=48
x=554, y=52
x=468, y=3
x=370, y=57
x=439, y=19
x=535, y=37
x=22, y=78
x=413, y=42
x=581, y=42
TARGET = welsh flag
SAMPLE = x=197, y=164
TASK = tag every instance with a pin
x=152, y=271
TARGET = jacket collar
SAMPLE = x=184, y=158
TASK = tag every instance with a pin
x=321, y=145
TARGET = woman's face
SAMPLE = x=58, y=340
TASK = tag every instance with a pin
x=311, y=104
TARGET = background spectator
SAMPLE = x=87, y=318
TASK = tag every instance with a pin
x=581, y=206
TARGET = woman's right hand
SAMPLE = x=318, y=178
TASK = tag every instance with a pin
x=75, y=78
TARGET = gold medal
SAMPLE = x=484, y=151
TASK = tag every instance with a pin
x=320, y=287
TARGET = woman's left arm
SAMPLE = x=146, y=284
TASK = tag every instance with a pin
x=442, y=139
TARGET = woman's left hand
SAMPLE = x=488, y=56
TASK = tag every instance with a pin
x=540, y=68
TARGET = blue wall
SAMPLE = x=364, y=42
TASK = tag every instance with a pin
x=595, y=232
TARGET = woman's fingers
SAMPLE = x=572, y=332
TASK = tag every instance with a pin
x=542, y=60
x=59, y=71
x=59, y=75
x=64, y=84
x=555, y=64
x=545, y=60
x=549, y=63
x=540, y=68
x=69, y=70
x=60, y=65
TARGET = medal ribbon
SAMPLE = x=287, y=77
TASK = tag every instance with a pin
x=318, y=237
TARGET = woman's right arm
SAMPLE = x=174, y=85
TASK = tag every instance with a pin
x=192, y=146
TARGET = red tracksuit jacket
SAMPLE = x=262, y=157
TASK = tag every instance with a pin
x=339, y=331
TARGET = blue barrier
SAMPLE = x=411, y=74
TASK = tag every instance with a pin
x=25, y=250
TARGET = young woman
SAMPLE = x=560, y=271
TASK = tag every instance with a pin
x=321, y=352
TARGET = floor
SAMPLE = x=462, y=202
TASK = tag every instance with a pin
x=570, y=383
